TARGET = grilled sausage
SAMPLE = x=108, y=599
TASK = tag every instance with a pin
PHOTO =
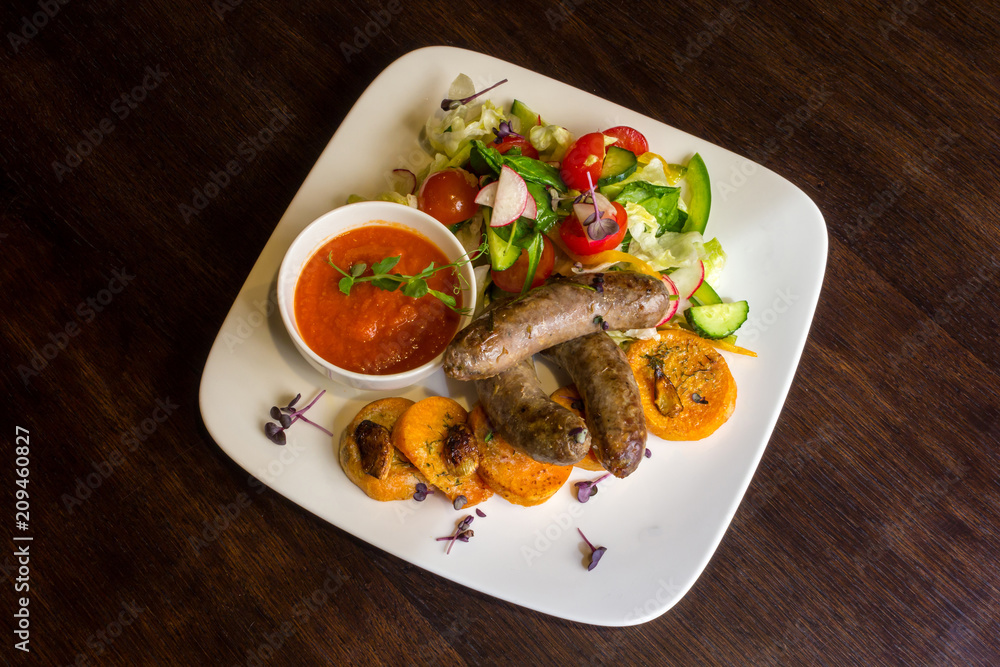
x=560, y=310
x=529, y=420
x=610, y=398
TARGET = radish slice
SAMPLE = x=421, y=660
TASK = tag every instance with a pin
x=583, y=211
x=530, y=208
x=674, y=303
x=403, y=181
x=603, y=203
x=487, y=195
x=689, y=278
x=511, y=197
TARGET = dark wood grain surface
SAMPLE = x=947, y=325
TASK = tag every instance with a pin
x=869, y=534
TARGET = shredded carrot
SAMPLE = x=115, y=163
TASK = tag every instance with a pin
x=729, y=347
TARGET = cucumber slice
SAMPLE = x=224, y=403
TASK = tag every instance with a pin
x=705, y=295
x=717, y=320
x=527, y=117
x=503, y=254
x=619, y=164
x=611, y=190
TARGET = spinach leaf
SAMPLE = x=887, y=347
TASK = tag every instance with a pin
x=545, y=218
x=659, y=200
x=535, y=171
x=534, y=256
x=530, y=169
x=485, y=158
x=518, y=232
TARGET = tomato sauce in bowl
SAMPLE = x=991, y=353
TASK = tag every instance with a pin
x=371, y=330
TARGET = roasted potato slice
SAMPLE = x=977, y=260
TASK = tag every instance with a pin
x=421, y=433
x=383, y=473
x=685, y=385
x=514, y=475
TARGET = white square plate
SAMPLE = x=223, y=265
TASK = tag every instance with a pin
x=661, y=524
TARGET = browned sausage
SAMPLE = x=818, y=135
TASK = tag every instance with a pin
x=529, y=420
x=560, y=310
x=610, y=399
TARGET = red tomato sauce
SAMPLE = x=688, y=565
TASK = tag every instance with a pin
x=371, y=330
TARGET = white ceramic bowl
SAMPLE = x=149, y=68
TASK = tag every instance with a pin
x=337, y=222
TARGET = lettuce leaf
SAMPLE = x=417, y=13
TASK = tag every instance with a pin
x=551, y=141
x=666, y=251
x=451, y=132
x=715, y=261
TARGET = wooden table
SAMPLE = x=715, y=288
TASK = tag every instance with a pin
x=869, y=534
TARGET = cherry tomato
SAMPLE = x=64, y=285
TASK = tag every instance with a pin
x=449, y=196
x=586, y=155
x=519, y=142
x=628, y=138
x=575, y=237
x=512, y=279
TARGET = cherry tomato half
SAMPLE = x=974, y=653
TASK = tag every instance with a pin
x=519, y=142
x=575, y=237
x=512, y=279
x=586, y=155
x=628, y=138
x=449, y=196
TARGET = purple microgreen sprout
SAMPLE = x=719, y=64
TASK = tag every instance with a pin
x=648, y=452
x=460, y=502
x=287, y=416
x=584, y=490
x=600, y=229
x=421, y=492
x=480, y=513
x=597, y=226
x=462, y=533
x=556, y=197
x=504, y=131
x=274, y=433
x=447, y=104
x=595, y=552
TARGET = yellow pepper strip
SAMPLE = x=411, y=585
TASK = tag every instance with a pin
x=607, y=257
x=671, y=172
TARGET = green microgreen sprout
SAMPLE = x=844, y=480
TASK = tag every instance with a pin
x=412, y=286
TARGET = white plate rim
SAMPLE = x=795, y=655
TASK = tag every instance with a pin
x=616, y=597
